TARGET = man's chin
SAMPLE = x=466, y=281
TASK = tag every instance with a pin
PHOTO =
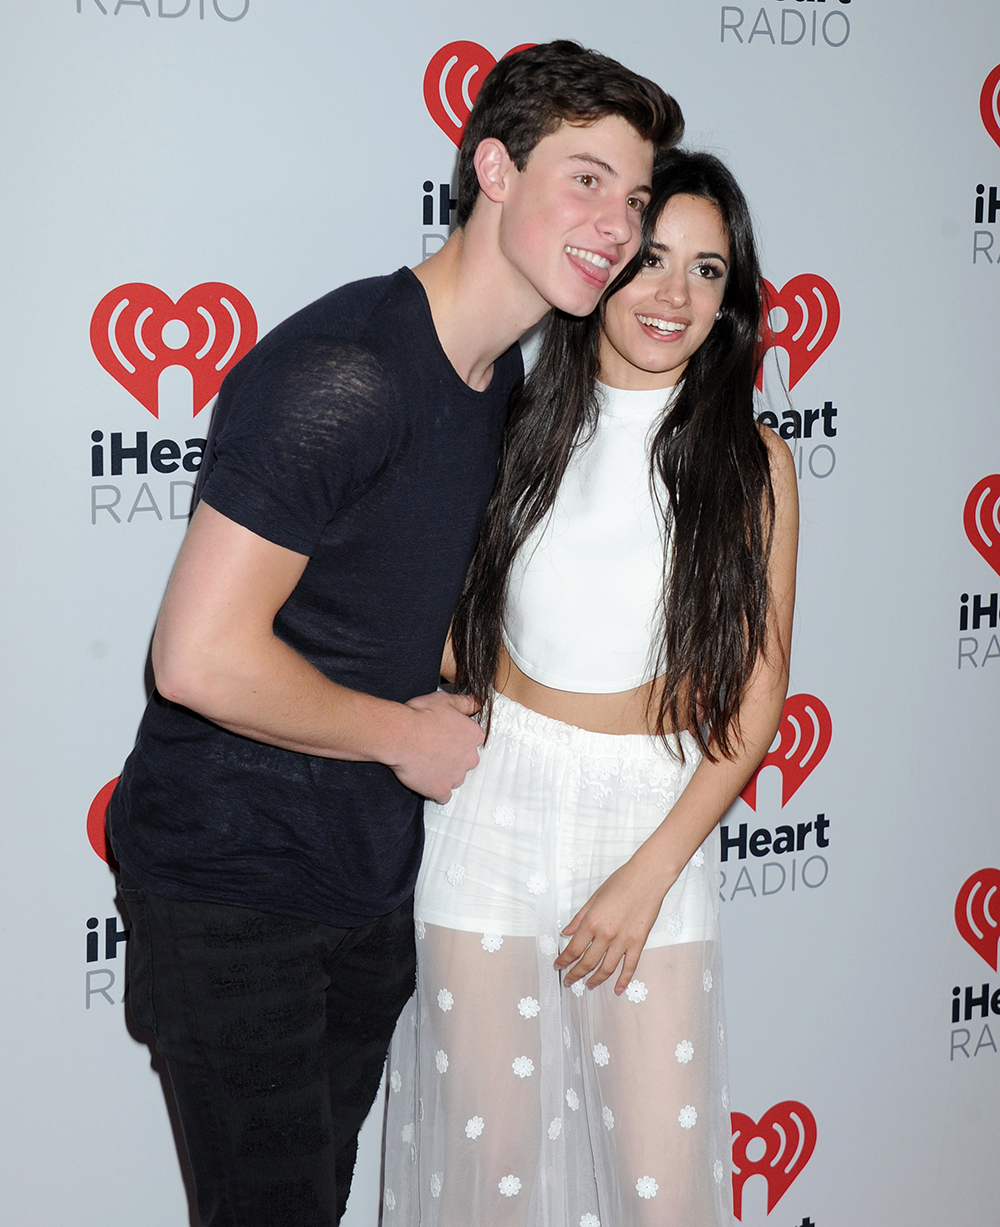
x=578, y=303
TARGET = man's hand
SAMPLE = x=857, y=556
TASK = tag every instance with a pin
x=442, y=746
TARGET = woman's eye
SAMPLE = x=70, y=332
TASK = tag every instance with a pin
x=711, y=272
x=650, y=262
x=586, y=180
x=634, y=202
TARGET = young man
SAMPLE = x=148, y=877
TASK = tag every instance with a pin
x=268, y=822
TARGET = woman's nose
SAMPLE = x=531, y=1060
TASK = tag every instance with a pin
x=673, y=289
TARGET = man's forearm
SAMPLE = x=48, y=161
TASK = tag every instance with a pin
x=262, y=689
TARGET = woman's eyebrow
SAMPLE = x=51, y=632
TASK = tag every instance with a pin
x=700, y=255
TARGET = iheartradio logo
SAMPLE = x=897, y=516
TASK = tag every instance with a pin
x=788, y=1134
x=96, y=818
x=982, y=518
x=977, y=913
x=989, y=104
x=801, y=318
x=137, y=331
x=451, y=84
x=803, y=738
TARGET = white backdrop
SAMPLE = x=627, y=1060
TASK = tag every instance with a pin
x=281, y=149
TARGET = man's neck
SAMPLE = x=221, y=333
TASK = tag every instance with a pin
x=479, y=303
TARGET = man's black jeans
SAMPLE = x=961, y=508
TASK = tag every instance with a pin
x=274, y=1031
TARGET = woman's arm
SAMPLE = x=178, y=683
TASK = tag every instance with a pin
x=449, y=666
x=614, y=923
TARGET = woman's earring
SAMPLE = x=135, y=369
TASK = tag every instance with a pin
x=718, y=315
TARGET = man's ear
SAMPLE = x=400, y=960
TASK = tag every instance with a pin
x=493, y=168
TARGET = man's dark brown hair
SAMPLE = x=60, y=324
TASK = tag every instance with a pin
x=527, y=96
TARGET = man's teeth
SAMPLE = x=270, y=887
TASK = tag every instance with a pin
x=592, y=256
x=660, y=325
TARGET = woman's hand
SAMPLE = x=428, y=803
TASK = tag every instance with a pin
x=614, y=923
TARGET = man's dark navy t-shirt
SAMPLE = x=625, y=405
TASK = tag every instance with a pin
x=345, y=435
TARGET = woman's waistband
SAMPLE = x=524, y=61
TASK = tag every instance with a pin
x=511, y=719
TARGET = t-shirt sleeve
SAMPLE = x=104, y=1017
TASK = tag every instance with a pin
x=300, y=439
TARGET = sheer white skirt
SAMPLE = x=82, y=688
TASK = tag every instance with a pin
x=515, y=1102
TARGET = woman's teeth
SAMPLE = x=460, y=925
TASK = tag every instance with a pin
x=660, y=325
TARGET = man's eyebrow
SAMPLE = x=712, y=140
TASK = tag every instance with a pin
x=593, y=160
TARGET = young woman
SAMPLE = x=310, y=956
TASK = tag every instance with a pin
x=626, y=623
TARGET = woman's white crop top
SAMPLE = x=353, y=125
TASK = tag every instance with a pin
x=584, y=598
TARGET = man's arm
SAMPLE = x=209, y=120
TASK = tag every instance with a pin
x=215, y=652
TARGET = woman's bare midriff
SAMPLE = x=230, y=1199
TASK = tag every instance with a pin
x=623, y=712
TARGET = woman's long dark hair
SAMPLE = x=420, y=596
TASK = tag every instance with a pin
x=709, y=471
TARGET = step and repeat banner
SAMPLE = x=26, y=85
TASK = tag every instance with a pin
x=180, y=175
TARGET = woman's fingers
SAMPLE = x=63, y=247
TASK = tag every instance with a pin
x=582, y=937
x=578, y=949
x=598, y=956
x=591, y=962
x=628, y=970
x=584, y=951
x=572, y=952
x=612, y=957
x=598, y=960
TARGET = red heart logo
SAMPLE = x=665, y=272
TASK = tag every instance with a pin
x=788, y=1131
x=989, y=104
x=451, y=84
x=812, y=317
x=96, y=816
x=137, y=331
x=982, y=519
x=977, y=913
x=803, y=738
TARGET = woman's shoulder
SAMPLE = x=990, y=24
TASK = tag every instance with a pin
x=779, y=454
x=784, y=484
